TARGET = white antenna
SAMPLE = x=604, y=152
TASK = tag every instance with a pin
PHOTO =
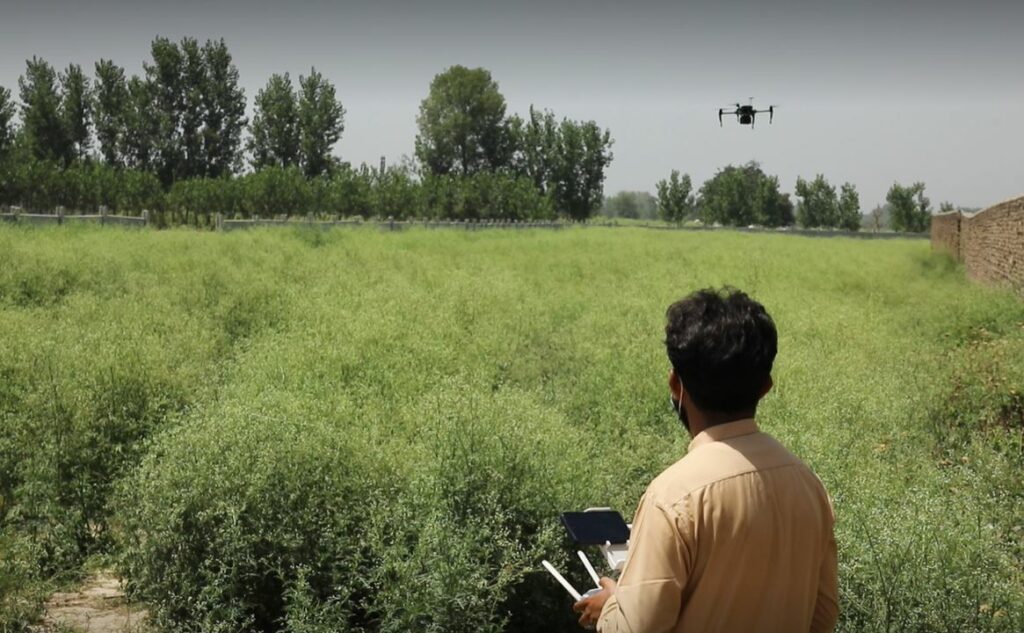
x=562, y=581
x=590, y=568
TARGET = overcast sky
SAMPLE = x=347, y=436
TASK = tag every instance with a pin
x=869, y=92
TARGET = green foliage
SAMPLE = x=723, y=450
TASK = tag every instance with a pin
x=193, y=87
x=818, y=206
x=745, y=195
x=289, y=440
x=346, y=192
x=42, y=121
x=536, y=145
x=76, y=110
x=81, y=188
x=462, y=127
x=142, y=128
x=631, y=204
x=223, y=111
x=911, y=210
x=321, y=122
x=675, y=201
x=396, y=195
x=582, y=153
x=110, y=111
x=484, y=195
x=199, y=200
x=275, y=191
x=87, y=373
x=182, y=121
x=164, y=116
x=6, y=123
x=848, y=208
x=193, y=125
x=275, y=126
x=566, y=161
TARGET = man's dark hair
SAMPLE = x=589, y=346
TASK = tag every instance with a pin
x=722, y=345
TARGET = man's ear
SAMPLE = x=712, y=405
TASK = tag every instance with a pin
x=674, y=385
x=768, y=384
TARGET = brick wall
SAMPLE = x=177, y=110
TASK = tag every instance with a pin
x=946, y=233
x=990, y=243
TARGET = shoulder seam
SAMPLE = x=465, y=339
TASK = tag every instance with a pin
x=691, y=491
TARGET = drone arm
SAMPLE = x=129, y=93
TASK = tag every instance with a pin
x=720, y=117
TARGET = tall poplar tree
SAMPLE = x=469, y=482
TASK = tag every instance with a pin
x=110, y=102
x=164, y=76
x=818, y=206
x=582, y=155
x=911, y=209
x=321, y=122
x=224, y=111
x=536, y=143
x=6, y=123
x=849, y=208
x=76, y=111
x=142, y=126
x=675, y=199
x=42, y=123
x=275, y=125
x=193, y=111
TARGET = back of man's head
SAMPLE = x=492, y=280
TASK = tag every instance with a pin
x=721, y=344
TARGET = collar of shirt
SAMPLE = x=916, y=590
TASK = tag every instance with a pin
x=721, y=432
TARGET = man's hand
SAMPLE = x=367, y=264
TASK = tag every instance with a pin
x=591, y=607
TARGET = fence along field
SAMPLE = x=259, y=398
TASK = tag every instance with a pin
x=330, y=221
x=363, y=430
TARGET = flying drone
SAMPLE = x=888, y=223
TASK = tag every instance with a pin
x=745, y=114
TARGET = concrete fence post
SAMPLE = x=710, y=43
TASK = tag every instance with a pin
x=391, y=223
x=103, y=214
x=145, y=217
x=219, y=221
x=17, y=214
x=60, y=215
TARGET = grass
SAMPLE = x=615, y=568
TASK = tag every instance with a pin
x=358, y=430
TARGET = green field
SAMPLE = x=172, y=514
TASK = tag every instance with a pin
x=366, y=431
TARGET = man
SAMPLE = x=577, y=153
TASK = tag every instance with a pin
x=737, y=535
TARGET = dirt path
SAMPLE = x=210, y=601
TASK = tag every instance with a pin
x=98, y=606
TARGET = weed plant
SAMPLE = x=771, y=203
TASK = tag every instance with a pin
x=295, y=430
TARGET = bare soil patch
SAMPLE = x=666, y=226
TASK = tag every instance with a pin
x=98, y=606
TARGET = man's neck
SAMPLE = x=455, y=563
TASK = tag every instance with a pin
x=701, y=420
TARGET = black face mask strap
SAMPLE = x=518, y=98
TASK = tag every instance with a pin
x=677, y=406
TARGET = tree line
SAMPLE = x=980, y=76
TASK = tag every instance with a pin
x=176, y=140
x=744, y=195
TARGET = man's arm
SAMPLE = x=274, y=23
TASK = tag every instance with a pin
x=648, y=598
x=826, y=608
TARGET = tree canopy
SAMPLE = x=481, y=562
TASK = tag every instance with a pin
x=321, y=122
x=275, y=135
x=911, y=210
x=742, y=196
x=462, y=126
x=675, y=198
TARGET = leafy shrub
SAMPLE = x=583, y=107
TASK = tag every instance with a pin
x=229, y=520
x=373, y=431
x=347, y=192
x=199, y=200
x=285, y=513
x=275, y=191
